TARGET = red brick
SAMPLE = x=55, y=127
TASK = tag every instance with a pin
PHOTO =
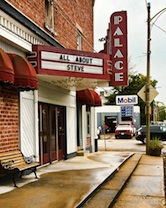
x=8, y=119
x=66, y=14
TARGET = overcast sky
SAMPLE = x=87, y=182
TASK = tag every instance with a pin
x=137, y=35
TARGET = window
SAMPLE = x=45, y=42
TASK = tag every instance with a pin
x=49, y=15
x=79, y=40
x=88, y=123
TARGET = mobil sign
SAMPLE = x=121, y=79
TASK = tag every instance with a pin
x=126, y=100
x=119, y=49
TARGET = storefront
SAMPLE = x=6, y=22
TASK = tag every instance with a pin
x=18, y=92
x=52, y=128
x=19, y=119
x=64, y=78
x=40, y=112
x=52, y=120
x=87, y=100
x=57, y=122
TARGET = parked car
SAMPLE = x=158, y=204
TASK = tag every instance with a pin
x=125, y=129
x=155, y=131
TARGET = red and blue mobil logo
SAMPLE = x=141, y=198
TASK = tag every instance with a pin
x=126, y=100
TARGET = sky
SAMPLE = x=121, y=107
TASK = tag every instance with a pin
x=137, y=36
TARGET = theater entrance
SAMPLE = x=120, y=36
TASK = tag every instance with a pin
x=52, y=132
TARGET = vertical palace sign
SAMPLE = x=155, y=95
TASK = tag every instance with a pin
x=119, y=49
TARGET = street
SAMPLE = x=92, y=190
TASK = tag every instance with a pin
x=109, y=143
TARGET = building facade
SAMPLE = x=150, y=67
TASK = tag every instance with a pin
x=43, y=110
x=110, y=115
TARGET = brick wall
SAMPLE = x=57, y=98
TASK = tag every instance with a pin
x=8, y=119
x=76, y=11
x=67, y=14
x=88, y=142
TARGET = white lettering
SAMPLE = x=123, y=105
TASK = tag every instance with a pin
x=118, y=31
x=117, y=42
x=119, y=65
x=119, y=49
x=117, y=20
x=119, y=77
x=118, y=54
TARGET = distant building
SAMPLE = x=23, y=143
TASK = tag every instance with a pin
x=112, y=114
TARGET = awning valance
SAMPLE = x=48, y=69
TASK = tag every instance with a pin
x=6, y=68
x=18, y=71
x=88, y=97
x=25, y=77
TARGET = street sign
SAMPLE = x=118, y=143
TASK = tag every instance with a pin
x=152, y=95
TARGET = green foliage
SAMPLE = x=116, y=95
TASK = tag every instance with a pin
x=156, y=143
x=161, y=113
x=136, y=82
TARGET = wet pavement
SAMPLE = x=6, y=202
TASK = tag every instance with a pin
x=66, y=184
x=137, y=184
x=145, y=188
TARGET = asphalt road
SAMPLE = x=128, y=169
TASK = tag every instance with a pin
x=108, y=143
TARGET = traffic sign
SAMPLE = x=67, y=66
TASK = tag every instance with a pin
x=142, y=93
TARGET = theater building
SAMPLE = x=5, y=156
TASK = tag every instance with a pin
x=48, y=76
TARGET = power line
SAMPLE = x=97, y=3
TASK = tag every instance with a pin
x=160, y=28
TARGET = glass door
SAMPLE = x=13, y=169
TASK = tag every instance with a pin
x=44, y=134
x=52, y=132
x=61, y=131
x=53, y=126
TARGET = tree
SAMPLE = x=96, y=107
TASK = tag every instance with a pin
x=160, y=111
x=136, y=82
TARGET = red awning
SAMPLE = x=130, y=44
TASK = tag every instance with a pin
x=88, y=97
x=96, y=98
x=25, y=74
x=6, y=68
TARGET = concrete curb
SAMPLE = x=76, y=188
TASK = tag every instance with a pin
x=99, y=194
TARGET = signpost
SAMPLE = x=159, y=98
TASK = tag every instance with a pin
x=152, y=93
x=148, y=98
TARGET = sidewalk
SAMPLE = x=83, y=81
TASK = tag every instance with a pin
x=138, y=184
x=68, y=183
x=145, y=188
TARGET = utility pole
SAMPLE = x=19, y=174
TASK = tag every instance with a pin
x=147, y=96
x=148, y=83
